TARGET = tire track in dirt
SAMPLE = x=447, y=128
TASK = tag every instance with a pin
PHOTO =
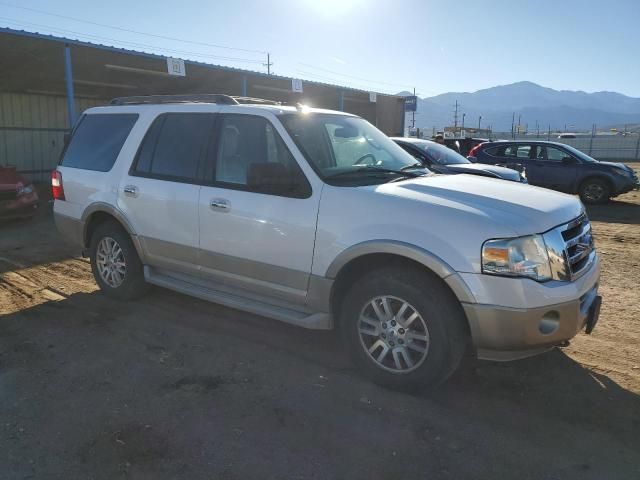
x=24, y=286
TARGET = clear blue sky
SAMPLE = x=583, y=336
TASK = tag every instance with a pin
x=382, y=45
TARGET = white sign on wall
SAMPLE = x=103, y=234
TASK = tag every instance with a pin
x=373, y=96
x=296, y=85
x=175, y=66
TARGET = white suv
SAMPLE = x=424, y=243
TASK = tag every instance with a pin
x=316, y=218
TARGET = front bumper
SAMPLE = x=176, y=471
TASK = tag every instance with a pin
x=501, y=332
x=627, y=185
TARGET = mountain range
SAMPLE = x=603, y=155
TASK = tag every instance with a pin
x=532, y=103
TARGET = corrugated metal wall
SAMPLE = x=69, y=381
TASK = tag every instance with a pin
x=32, y=129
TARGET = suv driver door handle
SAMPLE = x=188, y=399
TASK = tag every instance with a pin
x=130, y=190
x=219, y=204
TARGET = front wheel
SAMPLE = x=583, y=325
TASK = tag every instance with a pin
x=403, y=328
x=594, y=191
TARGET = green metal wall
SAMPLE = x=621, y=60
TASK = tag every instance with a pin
x=32, y=129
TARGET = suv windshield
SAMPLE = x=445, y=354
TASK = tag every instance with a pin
x=441, y=154
x=348, y=148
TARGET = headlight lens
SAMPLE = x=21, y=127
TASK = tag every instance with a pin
x=23, y=190
x=517, y=257
x=622, y=173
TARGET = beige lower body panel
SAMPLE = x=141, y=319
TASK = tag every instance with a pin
x=502, y=333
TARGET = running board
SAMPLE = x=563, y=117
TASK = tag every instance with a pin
x=316, y=321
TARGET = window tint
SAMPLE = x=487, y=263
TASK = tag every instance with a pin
x=246, y=141
x=550, y=153
x=492, y=151
x=174, y=146
x=97, y=141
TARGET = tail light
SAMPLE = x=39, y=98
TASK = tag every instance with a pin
x=56, y=185
x=473, y=151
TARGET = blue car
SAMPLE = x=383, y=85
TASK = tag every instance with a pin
x=560, y=167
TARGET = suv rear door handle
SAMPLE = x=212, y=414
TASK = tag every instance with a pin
x=219, y=204
x=130, y=190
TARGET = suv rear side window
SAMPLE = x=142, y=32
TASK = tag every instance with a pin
x=510, y=151
x=174, y=146
x=97, y=141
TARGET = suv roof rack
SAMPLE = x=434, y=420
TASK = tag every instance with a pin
x=262, y=101
x=160, y=99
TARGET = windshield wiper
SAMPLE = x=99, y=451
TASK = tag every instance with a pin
x=413, y=165
x=371, y=169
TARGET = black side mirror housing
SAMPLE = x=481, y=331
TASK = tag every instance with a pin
x=568, y=160
x=270, y=177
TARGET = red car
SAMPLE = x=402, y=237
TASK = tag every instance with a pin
x=18, y=197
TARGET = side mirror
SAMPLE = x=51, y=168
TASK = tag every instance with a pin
x=66, y=138
x=568, y=160
x=269, y=177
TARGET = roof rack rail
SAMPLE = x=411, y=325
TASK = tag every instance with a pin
x=160, y=99
x=262, y=101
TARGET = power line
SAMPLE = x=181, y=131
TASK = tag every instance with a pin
x=352, y=76
x=165, y=37
x=134, y=44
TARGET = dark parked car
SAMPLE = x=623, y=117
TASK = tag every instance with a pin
x=441, y=159
x=561, y=167
x=18, y=198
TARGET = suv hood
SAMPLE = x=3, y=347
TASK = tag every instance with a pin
x=480, y=169
x=522, y=208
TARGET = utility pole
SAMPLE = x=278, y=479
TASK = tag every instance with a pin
x=413, y=114
x=519, y=123
x=537, y=129
x=268, y=64
x=462, y=129
x=479, y=120
x=513, y=123
x=455, y=118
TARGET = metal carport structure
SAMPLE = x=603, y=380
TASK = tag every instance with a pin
x=47, y=81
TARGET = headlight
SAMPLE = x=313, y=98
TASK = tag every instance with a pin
x=517, y=257
x=622, y=173
x=23, y=190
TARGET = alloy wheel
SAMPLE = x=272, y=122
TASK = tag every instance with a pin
x=394, y=334
x=110, y=262
x=593, y=192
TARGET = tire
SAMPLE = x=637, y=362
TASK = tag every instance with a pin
x=594, y=191
x=126, y=282
x=440, y=316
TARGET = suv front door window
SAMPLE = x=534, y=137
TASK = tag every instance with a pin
x=554, y=172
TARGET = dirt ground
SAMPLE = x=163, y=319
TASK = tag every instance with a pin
x=172, y=387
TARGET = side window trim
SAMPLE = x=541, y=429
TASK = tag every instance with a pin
x=305, y=190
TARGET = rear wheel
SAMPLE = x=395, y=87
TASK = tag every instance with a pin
x=403, y=328
x=594, y=191
x=115, y=263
